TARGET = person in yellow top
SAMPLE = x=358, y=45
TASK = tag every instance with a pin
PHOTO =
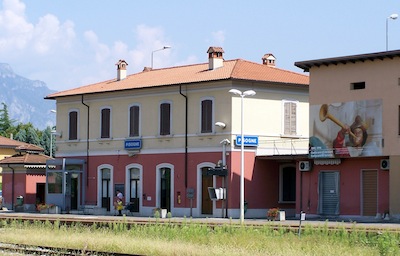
x=119, y=205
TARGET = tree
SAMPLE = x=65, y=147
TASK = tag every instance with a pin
x=5, y=122
x=46, y=140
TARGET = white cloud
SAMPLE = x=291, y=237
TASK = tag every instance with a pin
x=50, y=34
x=50, y=50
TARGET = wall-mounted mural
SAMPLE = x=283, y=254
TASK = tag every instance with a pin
x=347, y=129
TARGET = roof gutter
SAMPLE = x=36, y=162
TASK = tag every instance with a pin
x=12, y=188
x=186, y=134
x=87, y=140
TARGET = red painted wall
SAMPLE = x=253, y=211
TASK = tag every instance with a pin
x=350, y=173
x=24, y=185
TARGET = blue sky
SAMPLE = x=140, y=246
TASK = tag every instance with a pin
x=72, y=43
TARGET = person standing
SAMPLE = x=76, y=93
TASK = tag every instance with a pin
x=119, y=202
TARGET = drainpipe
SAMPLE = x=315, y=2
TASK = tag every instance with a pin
x=186, y=134
x=12, y=189
x=87, y=143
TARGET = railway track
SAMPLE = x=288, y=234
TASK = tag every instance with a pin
x=15, y=249
x=65, y=219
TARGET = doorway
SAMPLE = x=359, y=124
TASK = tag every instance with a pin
x=206, y=182
x=40, y=193
x=328, y=193
x=369, y=192
x=135, y=189
x=105, y=188
x=165, y=189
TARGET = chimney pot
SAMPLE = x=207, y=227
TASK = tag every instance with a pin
x=269, y=60
x=215, y=57
x=121, y=69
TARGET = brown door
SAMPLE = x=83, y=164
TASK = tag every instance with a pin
x=206, y=202
x=369, y=192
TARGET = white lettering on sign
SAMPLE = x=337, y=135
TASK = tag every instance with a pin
x=133, y=144
x=248, y=140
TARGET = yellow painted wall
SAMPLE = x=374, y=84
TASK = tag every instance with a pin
x=263, y=116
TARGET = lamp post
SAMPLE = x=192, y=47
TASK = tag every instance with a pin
x=152, y=53
x=242, y=95
x=393, y=17
x=51, y=135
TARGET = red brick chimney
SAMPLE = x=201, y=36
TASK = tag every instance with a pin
x=269, y=59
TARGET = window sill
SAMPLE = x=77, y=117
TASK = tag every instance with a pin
x=291, y=136
x=286, y=202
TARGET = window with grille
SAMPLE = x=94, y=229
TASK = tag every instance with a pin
x=134, y=112
x=206, y=116
x=165, y=119
x=73, y=125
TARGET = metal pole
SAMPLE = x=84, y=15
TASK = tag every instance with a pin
x=51, y=144
x=242, y=166
x=223, y=178
x=387, y=34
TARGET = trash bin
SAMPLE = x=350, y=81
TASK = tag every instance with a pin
x=245, y=206
x=20, y=201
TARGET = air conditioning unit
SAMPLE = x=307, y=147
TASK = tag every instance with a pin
x=385, y=164
x=304, y=165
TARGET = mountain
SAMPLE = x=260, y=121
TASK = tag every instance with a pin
x=25, y=99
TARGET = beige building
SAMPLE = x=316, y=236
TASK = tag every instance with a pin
x=154, y=135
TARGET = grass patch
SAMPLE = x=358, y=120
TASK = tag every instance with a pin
x=192, y=238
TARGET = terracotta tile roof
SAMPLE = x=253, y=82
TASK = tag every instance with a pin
x=9, y=143
x=232, y=69
x=32, y=159
x=29, y=147
x=18, y=145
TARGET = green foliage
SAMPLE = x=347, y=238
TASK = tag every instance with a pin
x=224, y=239
x=25, y=132
x=5, y=122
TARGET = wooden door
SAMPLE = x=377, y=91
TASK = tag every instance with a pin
x=369, y=192
x=206, y=202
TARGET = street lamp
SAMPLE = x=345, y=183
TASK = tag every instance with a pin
x=152, y=53
x=242, y=95
x=51, y=135
x=393, y=17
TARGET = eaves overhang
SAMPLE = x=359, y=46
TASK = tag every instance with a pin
x=308, y=64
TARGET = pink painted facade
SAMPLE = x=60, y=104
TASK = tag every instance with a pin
x=351, y=197
x=354, y=137
x=22, y=184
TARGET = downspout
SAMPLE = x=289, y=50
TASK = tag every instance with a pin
x=186, y=135
x=12, y=190
x=87, y=142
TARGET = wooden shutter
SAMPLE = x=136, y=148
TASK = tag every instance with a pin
x=105, y=123
x=73, y=125
x=206, y=116
x=165, y=115
x=290, y=109
x=134, y=121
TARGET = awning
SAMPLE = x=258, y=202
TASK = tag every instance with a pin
x=333, y=161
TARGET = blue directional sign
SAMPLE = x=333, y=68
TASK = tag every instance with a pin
x=133, y=144
x=249, y=141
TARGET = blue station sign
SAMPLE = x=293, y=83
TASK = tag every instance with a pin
x=133, y=144
x=249, y=141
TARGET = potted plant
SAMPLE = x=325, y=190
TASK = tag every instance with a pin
x=45, y=208
x=272, y=213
